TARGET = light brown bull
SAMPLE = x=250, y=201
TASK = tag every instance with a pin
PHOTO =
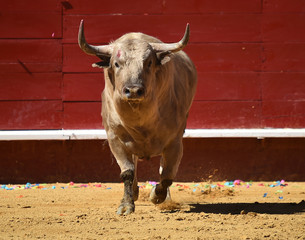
x=149, y=89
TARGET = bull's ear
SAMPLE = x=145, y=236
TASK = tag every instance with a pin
x=101, y=64
x=164, y=57
x=105, y=63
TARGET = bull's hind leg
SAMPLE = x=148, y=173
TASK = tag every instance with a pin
x=168, y=169
x=160, y=192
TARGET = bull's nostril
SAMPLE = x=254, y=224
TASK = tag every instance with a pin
x=140, y=92
x=126, y=91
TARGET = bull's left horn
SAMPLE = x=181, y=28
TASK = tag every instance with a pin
x=173, y=47
x=90, y=49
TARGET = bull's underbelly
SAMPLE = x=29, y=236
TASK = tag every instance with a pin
x=145, y=149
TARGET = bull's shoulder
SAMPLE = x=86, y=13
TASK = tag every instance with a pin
x=183, y=79
x=184, y=69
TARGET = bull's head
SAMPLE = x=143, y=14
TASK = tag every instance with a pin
x=132, y=63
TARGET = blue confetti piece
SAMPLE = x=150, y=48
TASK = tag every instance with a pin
x=265, y=195
x=281, y=197
x=227, y=184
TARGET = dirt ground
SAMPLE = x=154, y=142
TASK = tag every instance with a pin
x=219, y=210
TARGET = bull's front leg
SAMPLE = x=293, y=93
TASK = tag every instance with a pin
x=127, y=205
x=168, y=169
x=131, y=190
x=128, y=165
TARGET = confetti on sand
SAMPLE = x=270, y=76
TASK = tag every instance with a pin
x=202, y=187
x=45, y=186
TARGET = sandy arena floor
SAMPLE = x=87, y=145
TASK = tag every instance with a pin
x=219, y=210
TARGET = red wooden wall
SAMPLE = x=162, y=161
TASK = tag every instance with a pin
x=250, y=57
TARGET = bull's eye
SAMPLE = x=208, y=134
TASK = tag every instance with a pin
x=149, y=64
x=116, y=65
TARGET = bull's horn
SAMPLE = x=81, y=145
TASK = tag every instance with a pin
x=173, y=47
x=90, y=49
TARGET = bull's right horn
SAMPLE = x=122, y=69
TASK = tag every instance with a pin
x=104, y=50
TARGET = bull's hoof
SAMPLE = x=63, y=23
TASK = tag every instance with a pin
x=126, y=208
x=157, y=197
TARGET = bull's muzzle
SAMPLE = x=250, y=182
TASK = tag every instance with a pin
x=133, y=92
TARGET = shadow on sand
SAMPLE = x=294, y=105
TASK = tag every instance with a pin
x=237, y=208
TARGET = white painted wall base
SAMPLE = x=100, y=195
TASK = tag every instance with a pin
x=189, y=133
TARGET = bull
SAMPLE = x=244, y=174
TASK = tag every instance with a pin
x=149, y=89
